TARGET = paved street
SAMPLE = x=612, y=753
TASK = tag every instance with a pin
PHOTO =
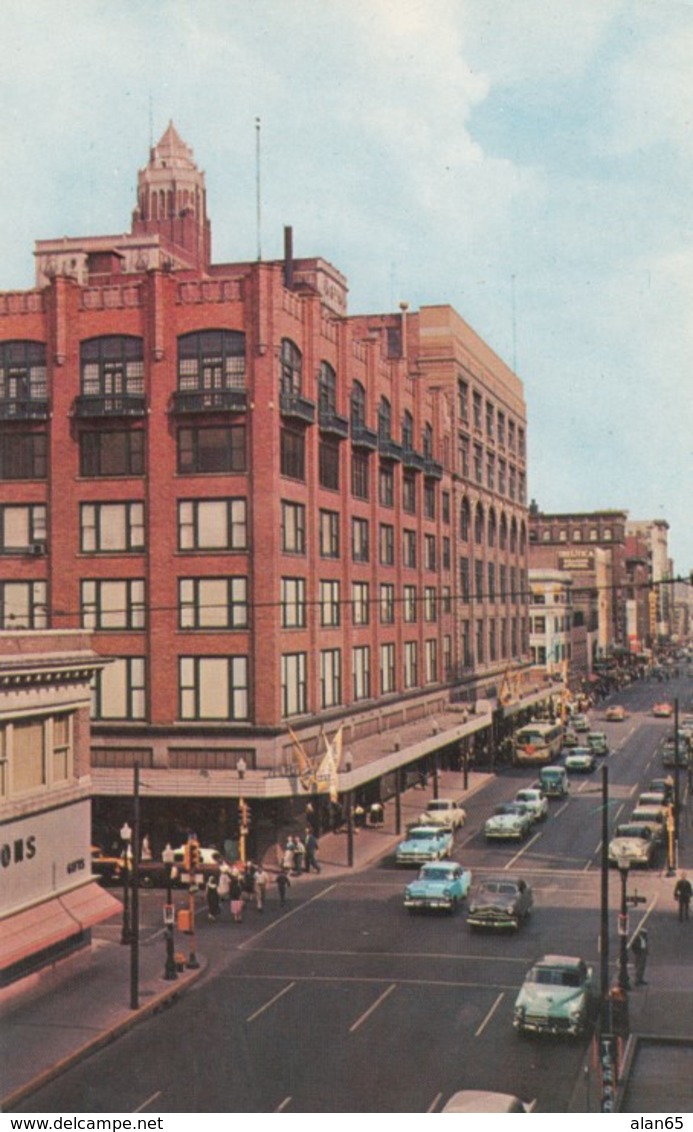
x=343, y=1001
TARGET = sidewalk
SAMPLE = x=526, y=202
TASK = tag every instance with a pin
x=85, y=1005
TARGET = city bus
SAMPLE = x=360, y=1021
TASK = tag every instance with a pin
x=537, y=744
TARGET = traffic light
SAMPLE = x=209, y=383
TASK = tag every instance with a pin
x=244, y=815
x=194, y=848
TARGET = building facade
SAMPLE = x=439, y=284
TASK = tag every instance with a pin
x=267, y=512
x=654, y=533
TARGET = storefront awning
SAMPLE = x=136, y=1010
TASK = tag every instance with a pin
x=46, y=924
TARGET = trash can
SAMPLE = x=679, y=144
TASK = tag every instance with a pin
x=184, y=923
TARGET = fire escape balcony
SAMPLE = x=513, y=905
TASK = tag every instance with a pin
x=210, y=401
x=297, y=407
x=331, y=422
x=413, y=460
x=363, y=437
x=111, y=405
x=433, y=469
x=389, y=449
x=23, y=409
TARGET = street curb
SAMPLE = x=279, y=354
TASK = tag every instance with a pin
x=105, y=1037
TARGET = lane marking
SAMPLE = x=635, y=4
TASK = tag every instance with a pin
x=366, y=1015
x=435, y=1102
x=252, y=1017
x=490, y=1014
x=286, y=916
x=563, y=807
x=444, y=955
x=284, y=1105
x=517, y=856
x=378, y=979
x=147, y=1102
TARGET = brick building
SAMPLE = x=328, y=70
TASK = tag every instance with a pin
x=266, y=511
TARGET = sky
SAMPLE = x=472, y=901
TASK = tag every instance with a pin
x=527, y=161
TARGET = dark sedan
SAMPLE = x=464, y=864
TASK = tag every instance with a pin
x=500, y=902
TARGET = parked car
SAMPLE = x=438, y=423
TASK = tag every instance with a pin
x=211, y=861
x=556, y=997
x=598, y=742
x=424, y=843
x=535, y=800
x=653, y=798
x=445, y=812
x=580, y=761
x=441, y=884
x=554, y=781
x=663, y=711
x=109, y=870
x=664, y=786
x=500, y=902
x=632, y=842
x=615, y=714
x=510, y=821
x=655, y=817
x=473, y=1100
x=580, y=722
x=671, y=757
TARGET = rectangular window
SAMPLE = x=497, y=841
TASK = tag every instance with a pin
x=478, y=464
x=464, y=457
x=387, y=603
x=330, y=678
x=479, y=642
x=512, y=482
x=22, y=527
x=465, y=588
x=431, y=662
x=504, y=638
x=490, y=471
x=329, y=604
x=28, y=766
x=213, y=603
x=447, y=600
x=500, y=421
x=294, y=685
x=445, y=506
x=118, y=691
x=490, y=414
x=447, y=657
x=293, y=603
x=476, y=404
x=108, y=528
x=328, y=463
x=110, y=604
x=23, y=455
x=446, y=553
x=478, y=579
x=360, y=550
x=491, y=571
x=463, y=399
x=329, y=534
x=387, y=669
x=213, y=687
x=360, y=607
x=492, y=639
x=23, y=605
x=212, y=524
x=361, y=659
x=511, y=435
x=211, y=450
x=62, y=748
x=409, y=548
x=411, y=664
x=501, y=477
x=409, y=493
x=430, y=552
x=360, y=466
x=386, y=486
x=503, y=582
x=430, y=604
x=117, y=453
x=410, y=604
x=466, y=644
x=293, y=528
x=292, y=455
x=387, y=545
x=430, y=499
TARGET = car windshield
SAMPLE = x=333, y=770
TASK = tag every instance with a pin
x=435, y=874
x=554, y=976
x=433, y=806
x=510, y=808
x=631, y=830
x=497, y=888
x=421, y=835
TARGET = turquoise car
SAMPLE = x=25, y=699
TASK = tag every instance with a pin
x=424, y=843
x=556, y=997
x=441, y=884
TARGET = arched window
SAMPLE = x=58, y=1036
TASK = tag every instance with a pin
x=479, y=524
x=523, y=538
x=112, y=366
x=503, y=537
x=385, y=419
x=491, y=529
x=407, y=431
x=291, y=364
x=358, y=404
x=513, y=536
x=211, y=359
x=327, y=389
x=22, y=371
x=427, y=440
x=464, y=520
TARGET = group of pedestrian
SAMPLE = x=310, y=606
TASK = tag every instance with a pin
x=238, y=886
x=301, y=856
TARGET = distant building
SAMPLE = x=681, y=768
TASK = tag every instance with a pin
x=654, y=533
x=266, y=511
x=558, y=647
x=49, y=899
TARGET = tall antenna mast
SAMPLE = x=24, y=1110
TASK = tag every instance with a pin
x=257, y=189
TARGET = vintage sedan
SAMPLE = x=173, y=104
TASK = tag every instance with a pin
x=556, y=997
x=580, y=761
x=615, y=714
x=441, y=884
x=424, y=843
x=663, y=711
x=445, y=812
x=654, y=816
x=511, y=821
x=535, y=800
x=571, y=738
x=580, y=722
x=500, y=902
x=598, y=742
x=632, y=843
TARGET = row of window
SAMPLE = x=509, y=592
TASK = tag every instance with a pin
x=577, y=534
x=500, y=475
x=483, y=415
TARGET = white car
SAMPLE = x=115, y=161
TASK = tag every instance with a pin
x=445, y=812
x=633, y=843
x=581, y=760
x=535, y=800
x=474, y=1100
x=510, y=821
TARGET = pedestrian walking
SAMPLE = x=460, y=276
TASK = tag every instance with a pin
x=299, y=854
x=683, y=892
x=224, y=883
x=311, y=852
x=640, y=950
x=261, y=879
x=288, y=860
x=236, y=898
x=283, y=883
x=212, y=894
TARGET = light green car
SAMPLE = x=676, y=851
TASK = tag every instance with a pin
x=556, y=997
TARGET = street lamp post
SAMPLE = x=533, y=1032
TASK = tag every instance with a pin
x=623, y=981
x=170, y=972
x=125, y=837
